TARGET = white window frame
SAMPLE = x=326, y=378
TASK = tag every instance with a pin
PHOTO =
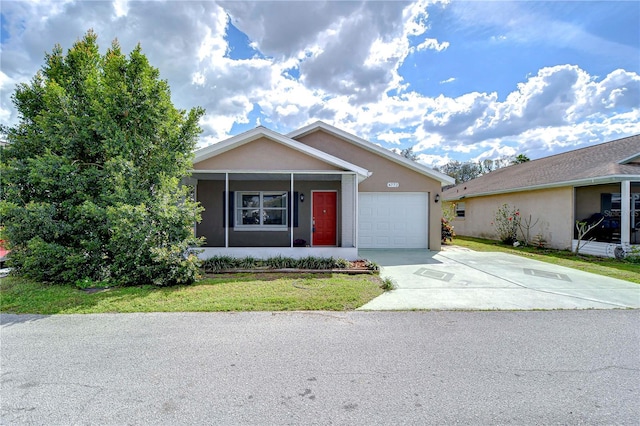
x=261, y=226
x=460, y=207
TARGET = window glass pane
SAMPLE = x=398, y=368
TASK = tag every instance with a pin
x=273, y=217
x=274, y=200
x=616, y=202
x=251, y=217
x=261, y=209
x=250, y=200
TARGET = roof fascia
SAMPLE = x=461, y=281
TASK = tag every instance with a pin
x=258, y=132
x=580, y=182
x=273, y=172
x=417, y=167
x=632, y=159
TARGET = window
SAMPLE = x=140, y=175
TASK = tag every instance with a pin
x=261, y=210
x=459, y=209
x=611, y=205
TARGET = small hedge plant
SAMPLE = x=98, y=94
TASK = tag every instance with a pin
x=223, y=263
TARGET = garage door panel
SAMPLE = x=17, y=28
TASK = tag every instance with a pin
x=393, y=220
x=382, y=226
x=400, y=227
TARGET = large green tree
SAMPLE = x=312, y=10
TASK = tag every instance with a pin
x=91, y=175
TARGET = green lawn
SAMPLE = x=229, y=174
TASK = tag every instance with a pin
x=609, y=267
x=239, y=292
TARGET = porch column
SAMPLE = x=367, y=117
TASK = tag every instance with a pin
x=625, y=212
x=195, y=200
x=349, y=210
x=356, y=211
x=226, y=210
x=291, y=215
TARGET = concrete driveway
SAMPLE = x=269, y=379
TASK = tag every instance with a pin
x=459, y=278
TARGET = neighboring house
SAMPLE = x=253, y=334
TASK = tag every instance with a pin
x=318, y=191
x=601, y=181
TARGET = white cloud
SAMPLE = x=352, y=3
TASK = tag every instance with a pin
x=434, y=160
x=394, y=137
x=557, y=97
x=348, y=56
x=121, y=7
x=287, y=110
x=432, y=44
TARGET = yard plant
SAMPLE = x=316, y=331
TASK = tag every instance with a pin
x=507, y=223
x=225, y=263
x=91, y=175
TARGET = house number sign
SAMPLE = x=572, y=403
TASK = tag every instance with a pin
x=393, y=184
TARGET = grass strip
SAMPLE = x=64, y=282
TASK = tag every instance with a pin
x=216, y=293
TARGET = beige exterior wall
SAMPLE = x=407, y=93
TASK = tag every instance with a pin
x=383, y=171
x=263, y=154
x=552, y=208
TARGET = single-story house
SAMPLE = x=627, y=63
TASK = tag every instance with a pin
x=317, y=191
x=600, y=181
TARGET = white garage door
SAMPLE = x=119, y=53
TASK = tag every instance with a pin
x=393, y=220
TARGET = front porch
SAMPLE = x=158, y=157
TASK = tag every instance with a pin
x=263, y=214
x=614, y=209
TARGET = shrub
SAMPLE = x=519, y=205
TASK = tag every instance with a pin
x=341, y=263
x=219, y=263
x=91, y=175
x=507, y=223
x=539, y=241
x=388, y=284
x=372, y=266
x=280, y=262
x=447, y=230
x=310, y=262
x=633, y=256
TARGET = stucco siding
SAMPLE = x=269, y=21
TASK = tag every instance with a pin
x=551, y=208
x=386, y=175
x=263, y=154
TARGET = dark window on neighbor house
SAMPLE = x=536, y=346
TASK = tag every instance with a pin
x=460, y=209
x=612, y=205
x=261, y=210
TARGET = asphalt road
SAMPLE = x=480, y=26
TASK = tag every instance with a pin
x=535, y=367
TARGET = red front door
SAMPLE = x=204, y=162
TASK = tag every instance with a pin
x=324, y=218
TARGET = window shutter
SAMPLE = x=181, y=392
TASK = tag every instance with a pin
x=231, y=208
x=295, y=209
x=605, y=202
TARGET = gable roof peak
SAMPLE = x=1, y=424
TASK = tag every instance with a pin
x=260, y=132
x=370, y=146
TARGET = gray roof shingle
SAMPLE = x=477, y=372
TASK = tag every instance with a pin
x=610, y=160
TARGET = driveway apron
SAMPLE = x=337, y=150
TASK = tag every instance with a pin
x=461, y=279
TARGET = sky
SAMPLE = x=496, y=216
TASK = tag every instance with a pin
x=454, y=80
